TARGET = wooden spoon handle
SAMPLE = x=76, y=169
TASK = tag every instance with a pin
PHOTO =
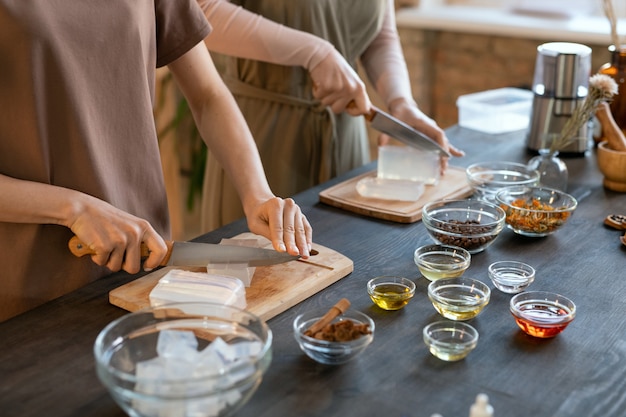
x=610, y=130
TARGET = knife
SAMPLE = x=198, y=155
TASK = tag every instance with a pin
x=202, y=254
x=386, y=123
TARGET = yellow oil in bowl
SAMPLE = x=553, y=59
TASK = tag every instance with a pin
x=391, y=292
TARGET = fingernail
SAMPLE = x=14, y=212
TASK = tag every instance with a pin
x=282, y=247
x=147, y=269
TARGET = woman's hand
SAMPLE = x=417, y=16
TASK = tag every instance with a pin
x=410, y=114
x=116, y=236
x=282, y=221
x=335, y=84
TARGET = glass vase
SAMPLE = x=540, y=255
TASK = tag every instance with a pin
x=552, y=169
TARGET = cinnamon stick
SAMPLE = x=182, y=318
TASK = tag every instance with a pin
x=610, y=130
x=339, y=308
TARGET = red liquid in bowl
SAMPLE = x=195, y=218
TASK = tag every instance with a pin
x=542, y=318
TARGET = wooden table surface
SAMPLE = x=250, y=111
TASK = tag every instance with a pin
x=47, y=366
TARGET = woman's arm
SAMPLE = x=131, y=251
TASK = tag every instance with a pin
x=385, y=66
x=226, y=133
x=238, y=32
x=114, y=235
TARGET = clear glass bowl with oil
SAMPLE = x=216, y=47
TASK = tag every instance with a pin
x=441, y=261
x=511, y=277
x=450, y=340
x=391, y=292
x=459, y=298
x=542, y=314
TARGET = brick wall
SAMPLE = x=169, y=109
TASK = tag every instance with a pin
x=445, y=65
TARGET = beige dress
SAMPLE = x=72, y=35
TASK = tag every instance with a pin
x=77, y=83
x=301, y=143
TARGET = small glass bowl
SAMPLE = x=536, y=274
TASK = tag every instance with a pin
x=450, y=340
x=535, y=211
x=542, y=314
x=511, y=277
x=459, y=298
x=487, y=178
x=470, y=224
x=441, y=261
x=390, y=292
x=332, y=353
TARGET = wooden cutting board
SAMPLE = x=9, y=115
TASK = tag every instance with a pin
x=345, y=196
x=273, y=289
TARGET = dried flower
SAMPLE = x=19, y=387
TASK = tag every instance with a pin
x=601, y=88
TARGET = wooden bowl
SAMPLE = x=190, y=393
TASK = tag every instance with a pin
x=613, y=165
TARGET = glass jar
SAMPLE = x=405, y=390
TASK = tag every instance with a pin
x=616, y=69
x=552, y=170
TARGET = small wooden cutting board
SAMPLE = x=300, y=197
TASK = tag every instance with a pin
x=273, y=289
x=345, y=196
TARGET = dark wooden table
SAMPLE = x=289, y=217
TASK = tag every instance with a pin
x=47, y=366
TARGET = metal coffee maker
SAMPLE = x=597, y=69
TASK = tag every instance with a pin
x=560, y=84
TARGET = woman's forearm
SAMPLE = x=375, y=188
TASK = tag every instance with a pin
x=241, y=33
x=33, y=202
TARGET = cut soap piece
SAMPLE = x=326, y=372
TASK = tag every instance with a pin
x=185, y=286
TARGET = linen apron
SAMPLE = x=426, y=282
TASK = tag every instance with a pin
x=301, y=143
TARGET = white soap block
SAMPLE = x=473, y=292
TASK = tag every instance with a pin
x=400, y=190
x=240, y=271
x=407, y=163
x=185, y=286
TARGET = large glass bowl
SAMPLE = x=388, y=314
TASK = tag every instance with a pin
x=197, y=359
x=487, y=178
x=535, y=211
x=469, y=224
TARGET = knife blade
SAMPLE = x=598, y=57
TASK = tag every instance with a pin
x=202, y=254
x=386, y=123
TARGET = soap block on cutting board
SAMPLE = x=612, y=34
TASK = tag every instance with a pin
x=240, y=271
x=179, y=286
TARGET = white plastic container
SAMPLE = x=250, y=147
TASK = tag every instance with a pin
x=496, y=111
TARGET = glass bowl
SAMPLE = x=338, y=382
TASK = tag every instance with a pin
x=332, y=352
x=459, y=298
x=487, y=178
x=450, y=340
x=469, y=224
x=535, y=211
x=390, y=292
x=511, y=277
x=184, y=358
x=542, y=314
x=441, y=261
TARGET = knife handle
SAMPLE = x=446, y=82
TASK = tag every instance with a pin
x=369, y=116
x=79, y=249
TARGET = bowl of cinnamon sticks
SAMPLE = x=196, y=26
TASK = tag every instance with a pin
x=335, y=336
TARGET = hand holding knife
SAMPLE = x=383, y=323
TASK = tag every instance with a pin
x=202, y=254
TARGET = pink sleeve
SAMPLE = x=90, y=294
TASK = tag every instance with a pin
x=384, y=61
x=238, y=32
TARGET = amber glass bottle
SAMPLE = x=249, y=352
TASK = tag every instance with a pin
x=617, y=70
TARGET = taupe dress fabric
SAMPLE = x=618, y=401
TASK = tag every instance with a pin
x=301, y=143
x=76, y=102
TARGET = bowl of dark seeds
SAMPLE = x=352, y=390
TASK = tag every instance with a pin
x=469, y=224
